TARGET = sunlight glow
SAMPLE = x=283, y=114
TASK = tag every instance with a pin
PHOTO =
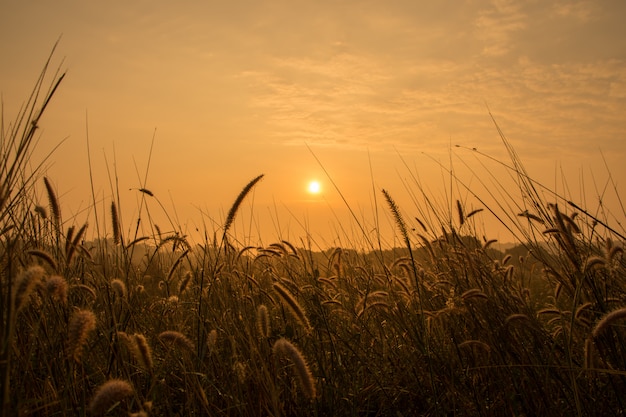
x=314, y=187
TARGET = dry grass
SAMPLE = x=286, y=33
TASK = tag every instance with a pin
x=447, y=325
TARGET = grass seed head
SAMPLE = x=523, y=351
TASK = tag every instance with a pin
x=118, y=287
x=108, y=394
x=211, y=340
x=143, y=352
x=292, y=305
x=53, y=201
x=283, y=347
x=607, y=320
x=56, y=287
x=177, y=339
x=115, y=224
x=263, y=321
x=26, y=282
x=81, y=324
x=44, y=256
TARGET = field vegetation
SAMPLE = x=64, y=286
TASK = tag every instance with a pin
x=155, y=325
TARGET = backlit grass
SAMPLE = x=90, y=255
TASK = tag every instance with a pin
x=446, y=325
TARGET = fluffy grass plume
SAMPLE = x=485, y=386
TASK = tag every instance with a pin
x=108, y=394
x=283, y=347
x=53, y=201
x=263, y=321
x=26, y=282
x=56, y=287
x=373, y=299
x=292, y=305
x=115, y=224
x=44, y=256
x=395, y=211
x=81, y=324
x=177, y=339
x=143, y=352
x=118, y=287
x=235, y=207
x=41, y=211
x=607, y=320
x=211, y=340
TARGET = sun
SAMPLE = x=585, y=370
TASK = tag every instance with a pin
x=314, y=187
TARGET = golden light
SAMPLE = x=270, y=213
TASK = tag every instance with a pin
x=314, y=187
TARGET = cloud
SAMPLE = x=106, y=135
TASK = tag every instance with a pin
x=582, y=11
x=358, y=101
x=496, y=25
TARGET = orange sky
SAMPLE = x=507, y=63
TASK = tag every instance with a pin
x=234, y=89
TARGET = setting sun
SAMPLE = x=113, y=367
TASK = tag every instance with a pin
x=314, y=187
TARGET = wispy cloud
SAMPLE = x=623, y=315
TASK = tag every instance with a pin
x=352, y=93
x=354, y=101
x=406, y=74
x=582, y=10
x=496, y=24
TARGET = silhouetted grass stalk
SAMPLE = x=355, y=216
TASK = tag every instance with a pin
x=16, y=145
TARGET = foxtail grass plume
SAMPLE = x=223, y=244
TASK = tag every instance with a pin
x=607, y=320
x=473, y=213
x=459, y=209
x=81, y=324
x=115, y=224
x=146, y=191
x=241, y=371
x=488, y=243
x=518, y=317
x=211, y=340
x=143, y=352
x=118, y=287
x=177, y=339
x=292, y=305
x=53, y=201
x=397, y=216
x=138, y=346
x=373, y=299
x=56, y=287
x=235, y=207
x=108, y=394
x=472, y=293
x=594, y=262
x=590, y=354
x=44, y=256
x=85, y=289
x=26, y=282
x=475, y=343
x=292, y=247
x=283, y=347
x=263, y=321
x=41, y=211
x=613, y=252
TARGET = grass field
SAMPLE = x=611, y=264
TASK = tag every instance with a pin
x=446, y=325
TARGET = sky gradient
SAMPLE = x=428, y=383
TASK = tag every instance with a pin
x=379, y=92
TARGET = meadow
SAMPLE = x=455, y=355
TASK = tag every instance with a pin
x=153, y=325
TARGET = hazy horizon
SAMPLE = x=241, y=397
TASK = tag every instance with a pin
x=380, y=94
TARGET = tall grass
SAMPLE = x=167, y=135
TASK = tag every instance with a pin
x=17, y=177
x=150, y=324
